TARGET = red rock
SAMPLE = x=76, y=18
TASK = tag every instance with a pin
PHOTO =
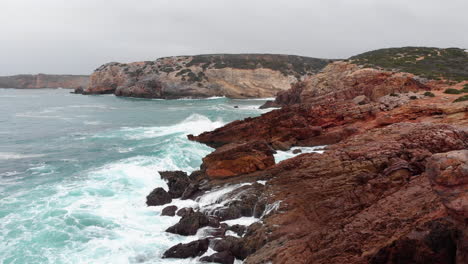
x=235, y=159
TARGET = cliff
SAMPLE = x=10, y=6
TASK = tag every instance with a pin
x=28, y=81
x=390, y=187
x=431, y=63
x=230, y=75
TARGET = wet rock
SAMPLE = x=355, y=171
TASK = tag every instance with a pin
x=177, y=181
x=189, y=250
x=78, y=90
x=169, y=210
x=238, y=158
x=224, y=257
x=230, y=244
x=184, y=211
x=244, y=201
x=191, y=192
x=158, y=196
x=297, y=151
x=191, y=222
x=238, y=229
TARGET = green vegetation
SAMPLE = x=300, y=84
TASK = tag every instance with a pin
x=286, y=64
x=394, y=94
x=461, y=99
x=452, y=91
x=413, y=97
x=431, y=63
x=429, y=94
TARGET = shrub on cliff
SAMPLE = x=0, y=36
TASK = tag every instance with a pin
x=452, y=91
x=429, y=94
x=461, y=99
x=432, y=63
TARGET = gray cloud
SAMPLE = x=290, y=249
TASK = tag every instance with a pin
x=76, y=36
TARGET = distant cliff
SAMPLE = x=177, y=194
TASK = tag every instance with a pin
x=231, y=75
x=28, y=81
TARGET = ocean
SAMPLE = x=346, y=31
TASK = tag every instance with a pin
x=75, y=171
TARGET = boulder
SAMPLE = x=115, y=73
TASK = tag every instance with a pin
x=189, y=250
x=158, y=196
x=191, y=222
x=169, y=210
x=224, y=257
x=177, y=181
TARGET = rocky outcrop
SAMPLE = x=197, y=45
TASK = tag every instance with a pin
x=344, y=81
x=158, y=196
x=189, y=250
x=238, y=158
x=448, y=173
x=191, y=222
x=27, y=81
x=234, y=76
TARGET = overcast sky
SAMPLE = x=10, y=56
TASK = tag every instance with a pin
x=76, y=36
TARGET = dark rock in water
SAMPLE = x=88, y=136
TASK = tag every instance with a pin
x=214, y=232
x=184, y=211
x=158, y=197
x=269, y=104
x=191, y=191
x=191, y=222
x=244, y=201
x=238, y=229
x=177, y=182
x=297, y=151
x=224, y=257
x=189, y=250
x=231, y=244
x=79, y=90
x=169, y=210
x=236, y=106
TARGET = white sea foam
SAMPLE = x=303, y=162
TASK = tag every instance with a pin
x=242, y=221
x=13, y=155
x=283, y=155
x=194, y=124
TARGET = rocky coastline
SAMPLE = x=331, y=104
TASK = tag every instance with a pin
x=40, y=81
x=390, y=186
x=201, y=76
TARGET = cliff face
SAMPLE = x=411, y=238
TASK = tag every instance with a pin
x=27, y=81
x=343, y=81
x=234, y=76
x=390, y=187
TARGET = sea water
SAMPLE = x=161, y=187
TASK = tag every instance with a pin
x=75, y=171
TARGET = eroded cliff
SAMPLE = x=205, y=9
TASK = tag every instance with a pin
x=234, y=76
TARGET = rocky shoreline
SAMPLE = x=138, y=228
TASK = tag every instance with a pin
x=390, y=187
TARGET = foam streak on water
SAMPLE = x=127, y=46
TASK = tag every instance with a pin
x=76, y=169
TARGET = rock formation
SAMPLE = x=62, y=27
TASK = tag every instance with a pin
x=27, y=81
x=234, y=76
x=390, y=187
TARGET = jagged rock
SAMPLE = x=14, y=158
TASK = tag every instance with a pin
x=243, y=201
x=189, y=250
x=224, y=257
x=184, y=211
x=169, y=210
x=158, y=196
x=435, y=242
x=448, y=173
x=235, y=159
x=191, y=191
x=177, y=181
x=238, y=229
x=191, y=222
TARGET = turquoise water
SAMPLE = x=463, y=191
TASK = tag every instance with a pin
x=75, y=171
